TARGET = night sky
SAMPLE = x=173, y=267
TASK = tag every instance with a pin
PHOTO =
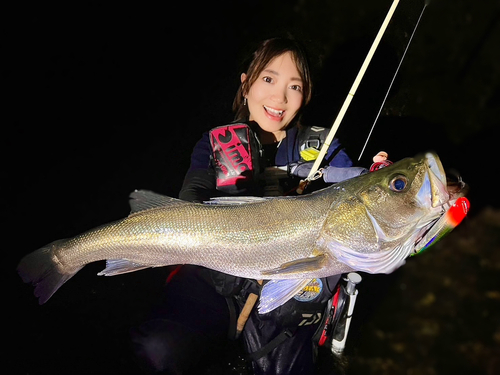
x=103, y=99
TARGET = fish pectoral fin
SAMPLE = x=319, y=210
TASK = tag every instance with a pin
x=299, y=265
x=119, y=266
x=276, y=292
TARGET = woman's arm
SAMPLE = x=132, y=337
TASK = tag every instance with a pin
x=199, y=183
x=339, y=166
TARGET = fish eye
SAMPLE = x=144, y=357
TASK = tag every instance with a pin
x=398, y=183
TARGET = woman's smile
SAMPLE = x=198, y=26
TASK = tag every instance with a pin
x=274, y=114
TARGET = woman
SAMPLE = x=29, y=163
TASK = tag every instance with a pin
x=201, y=305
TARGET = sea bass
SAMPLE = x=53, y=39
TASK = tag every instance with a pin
x=370, y=223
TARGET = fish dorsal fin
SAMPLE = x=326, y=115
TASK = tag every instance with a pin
x=141, y=200
x=234, y=200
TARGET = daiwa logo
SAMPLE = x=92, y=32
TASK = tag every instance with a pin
x=310, y=319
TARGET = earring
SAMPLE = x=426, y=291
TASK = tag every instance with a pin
x=244, y=101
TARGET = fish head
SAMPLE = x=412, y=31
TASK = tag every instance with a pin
x=390, y=212
x=404, y=195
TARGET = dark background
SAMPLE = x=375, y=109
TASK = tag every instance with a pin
x=104, y=98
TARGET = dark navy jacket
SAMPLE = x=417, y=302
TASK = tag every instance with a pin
x=199, y=184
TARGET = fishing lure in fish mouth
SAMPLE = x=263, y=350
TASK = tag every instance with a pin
x=444, y=225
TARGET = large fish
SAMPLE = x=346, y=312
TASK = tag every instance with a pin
x=370, y=223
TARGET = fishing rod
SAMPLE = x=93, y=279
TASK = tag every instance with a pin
x=393, y=78
x=326, y=145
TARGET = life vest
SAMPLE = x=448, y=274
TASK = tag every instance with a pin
x=237, y=155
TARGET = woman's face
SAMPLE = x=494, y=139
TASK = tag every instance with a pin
x=276, y=96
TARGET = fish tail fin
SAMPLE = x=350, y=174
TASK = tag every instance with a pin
x=40, y=268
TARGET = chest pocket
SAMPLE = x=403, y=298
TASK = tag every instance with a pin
x=235, y=156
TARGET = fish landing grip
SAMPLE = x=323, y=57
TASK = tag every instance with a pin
x=338, y=315
x=341, y=330
x=335, y=304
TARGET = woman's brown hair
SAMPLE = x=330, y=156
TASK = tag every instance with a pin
x=267, y=51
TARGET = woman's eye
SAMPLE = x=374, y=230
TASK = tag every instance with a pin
x=267, y=79
x=296, y=87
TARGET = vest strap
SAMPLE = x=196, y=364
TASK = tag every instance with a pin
x=283, y=336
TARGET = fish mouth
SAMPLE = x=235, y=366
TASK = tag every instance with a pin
x=438, y=194
x=435, y=185
x=440, y=188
